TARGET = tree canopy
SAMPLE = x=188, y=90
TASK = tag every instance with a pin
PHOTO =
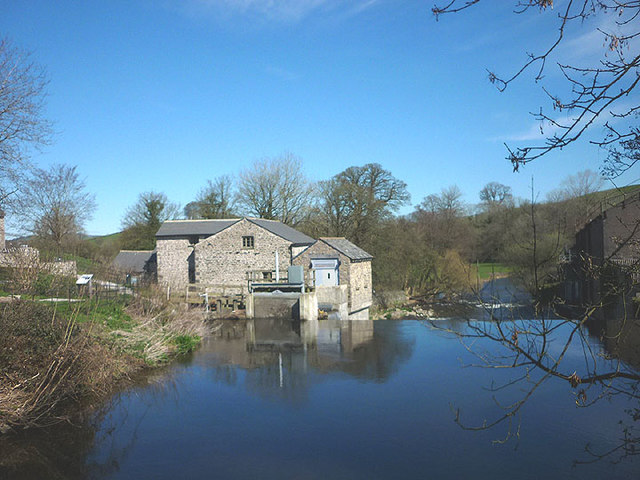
x=143, y=219
x=356, y=200
x=275, y=189
x=54, y=205
x=22, y=123
x=215, y=200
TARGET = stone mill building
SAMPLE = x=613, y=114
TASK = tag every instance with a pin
x=227, y=255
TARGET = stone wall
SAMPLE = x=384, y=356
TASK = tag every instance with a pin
x=173, y=265
x=621, y=233
x=65, y=268
x=318, y=249
x=357, y=275
x=295, y=251
x=20, y=257
x=221, y=258
x=360, y=286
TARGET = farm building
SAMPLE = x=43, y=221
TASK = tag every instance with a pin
x=225, y=253
x=334, y=262
x=138, y=266
x=606, y=250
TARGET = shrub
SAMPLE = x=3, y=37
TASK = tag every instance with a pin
x=186, y=343
x=43, y=284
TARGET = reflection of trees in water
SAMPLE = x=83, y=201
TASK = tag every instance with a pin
x=596, y=367
x=97, y=444
x=68, y=450
x=227, y=374
x=111, y=446
x=52, y=453
x=379, y=358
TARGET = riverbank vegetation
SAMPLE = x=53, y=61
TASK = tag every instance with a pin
x=55, y=356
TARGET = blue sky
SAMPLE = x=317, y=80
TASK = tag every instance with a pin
x=162, y=95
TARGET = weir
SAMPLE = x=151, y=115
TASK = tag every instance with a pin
x=277, y=304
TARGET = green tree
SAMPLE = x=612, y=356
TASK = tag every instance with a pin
x=356, y=201
x=216, y=200
x=143, y=219
x=494, y=221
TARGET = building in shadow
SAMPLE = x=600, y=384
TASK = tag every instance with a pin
x=602, y=269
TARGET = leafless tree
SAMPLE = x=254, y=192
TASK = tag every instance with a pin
x=601, y=92
x=579, y=195
x=54, y=205
x=22, y=124
x=216, y=200
x=541, y=345
x=275, y=189
x=441, y=219
x=496, y=194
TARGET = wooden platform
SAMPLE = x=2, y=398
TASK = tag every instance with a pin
x=217, y=298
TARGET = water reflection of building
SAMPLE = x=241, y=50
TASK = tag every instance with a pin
x=255, y=342
x=620, y=338
x=280, y=356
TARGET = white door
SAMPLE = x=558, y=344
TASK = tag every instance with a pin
x=325, y=272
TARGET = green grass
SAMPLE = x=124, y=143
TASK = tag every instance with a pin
x=109, y=313
x=186, y=343
x=105, y=240
x=485, y=270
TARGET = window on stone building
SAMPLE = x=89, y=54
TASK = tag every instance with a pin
x=247, y=242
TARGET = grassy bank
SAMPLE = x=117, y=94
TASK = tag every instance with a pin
x=486, y=271
x=52, y=356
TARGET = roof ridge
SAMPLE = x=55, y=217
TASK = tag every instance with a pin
x=204, y=220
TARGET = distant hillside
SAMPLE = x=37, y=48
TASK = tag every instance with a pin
x=105, y=240
x=613, y=196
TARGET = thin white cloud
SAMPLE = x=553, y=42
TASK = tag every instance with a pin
x=285, y=11
x=281, y=73
x=593, y=45
x=546, y=129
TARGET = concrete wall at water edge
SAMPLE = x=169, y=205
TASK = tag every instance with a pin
x=354, y=271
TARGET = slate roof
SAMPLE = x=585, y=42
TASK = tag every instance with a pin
x=182, y=228
x=284, y=231
x=133, y=260
x=347, y=248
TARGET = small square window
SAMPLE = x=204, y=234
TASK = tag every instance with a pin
x=247, y=242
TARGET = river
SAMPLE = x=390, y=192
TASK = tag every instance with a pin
x=344, y=400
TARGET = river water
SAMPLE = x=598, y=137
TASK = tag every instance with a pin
x=343, y=400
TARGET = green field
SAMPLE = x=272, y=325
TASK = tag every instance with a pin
x=485, y=270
